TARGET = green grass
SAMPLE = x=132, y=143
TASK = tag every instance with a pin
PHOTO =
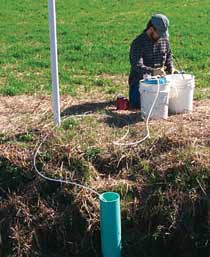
x=164, y=183
x=93, y=38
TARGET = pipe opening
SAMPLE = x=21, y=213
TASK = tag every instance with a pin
x=109, y=197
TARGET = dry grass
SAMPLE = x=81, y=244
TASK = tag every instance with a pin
x=172, y=165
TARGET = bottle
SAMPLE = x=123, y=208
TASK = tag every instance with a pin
x=122, y=103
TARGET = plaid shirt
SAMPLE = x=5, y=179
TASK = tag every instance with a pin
x=145, y=55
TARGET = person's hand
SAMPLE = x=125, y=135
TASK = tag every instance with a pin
x=159, y=71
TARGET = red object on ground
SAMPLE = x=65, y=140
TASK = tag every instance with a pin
x=122, y=103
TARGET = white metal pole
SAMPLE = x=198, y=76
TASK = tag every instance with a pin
x=54, y=61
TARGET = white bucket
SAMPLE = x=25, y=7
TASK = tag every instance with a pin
x=148, y=94
x=181, y=92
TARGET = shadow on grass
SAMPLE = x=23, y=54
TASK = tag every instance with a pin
x=121, y=120
x=88, y=107
x=112, y=118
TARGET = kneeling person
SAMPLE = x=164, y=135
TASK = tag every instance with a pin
x=150, y=53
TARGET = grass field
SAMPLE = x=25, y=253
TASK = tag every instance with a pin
x=164, y=183
x=93, y=39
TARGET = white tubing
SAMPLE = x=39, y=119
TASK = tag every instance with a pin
x=58, y=180
x=147, y=124
x=54, y=62
x=66, y=181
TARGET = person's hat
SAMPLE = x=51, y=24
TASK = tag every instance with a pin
x=161, y=23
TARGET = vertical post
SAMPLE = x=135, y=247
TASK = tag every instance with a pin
x=110, y=224
x=54, y=61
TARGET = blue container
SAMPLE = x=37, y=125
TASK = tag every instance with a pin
x=154, y=81
x=110, y=224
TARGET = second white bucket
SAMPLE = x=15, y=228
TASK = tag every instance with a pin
x=181, y=92
x=148, y=92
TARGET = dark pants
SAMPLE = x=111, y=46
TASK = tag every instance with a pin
x=134, y=96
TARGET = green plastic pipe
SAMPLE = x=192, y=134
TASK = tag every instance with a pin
x=110, y=224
